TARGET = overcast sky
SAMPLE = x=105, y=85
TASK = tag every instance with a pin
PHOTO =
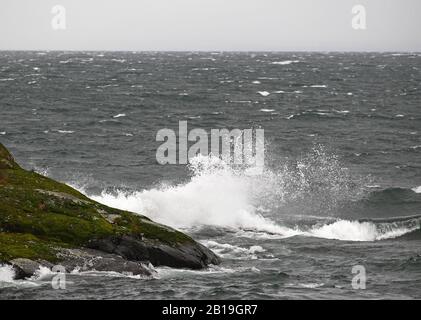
x=188, y=25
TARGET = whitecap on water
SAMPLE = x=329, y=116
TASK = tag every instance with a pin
x=363, y=231
x=417, y=189
x=267, y=110
x=318, y=86
x=65, y=131
x=311, y=285
x=114, y=274
x=165, y=272
x=286, y=62
x=226, y=250
x=342, y=111
x=43, y=273
x=240, y=101
x=120, y=115
x=263, y=93
x=7, y=274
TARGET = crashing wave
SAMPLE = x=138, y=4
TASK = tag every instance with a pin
x=220, y=195
x=417, y=189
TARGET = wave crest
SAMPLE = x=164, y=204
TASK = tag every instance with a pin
x=364, y=230
x=240, y=198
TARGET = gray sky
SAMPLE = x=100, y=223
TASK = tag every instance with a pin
x=250, y=25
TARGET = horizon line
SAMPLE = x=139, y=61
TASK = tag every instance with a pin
x=213, y=51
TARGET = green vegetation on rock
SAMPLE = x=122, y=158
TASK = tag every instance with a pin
x=39, y=216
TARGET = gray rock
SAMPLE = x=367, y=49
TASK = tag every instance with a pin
x=24, y=268
x=94, y=260
x=190, y=255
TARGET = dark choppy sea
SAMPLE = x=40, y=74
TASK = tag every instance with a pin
x=341, y=186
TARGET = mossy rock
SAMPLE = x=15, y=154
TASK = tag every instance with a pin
x=6, y=159
x=40, y=216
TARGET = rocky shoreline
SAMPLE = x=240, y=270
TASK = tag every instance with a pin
x=46, y=223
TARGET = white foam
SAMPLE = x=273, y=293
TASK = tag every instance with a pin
x=165, y=273
x=342, y=111
x=7, y=274
x=65, y=131
x=203, y=69
x=318, y=86
x=43, y=273
x=2, y=133
x=286, y=62
x=361, y=231
x=263, y=93
x=120, y=115
x=267, y=110
x=226, y=250
x=218, y=195
x=311, y=285
x=240, y=101
x=417, y=189
x=114, y=274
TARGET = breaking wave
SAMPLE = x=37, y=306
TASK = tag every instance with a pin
x=364, y=230
x=226, y=250
x=241, y=198
x=7, y=278
x=7, y=274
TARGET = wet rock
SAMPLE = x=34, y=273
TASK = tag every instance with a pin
x=42, y=219
x=184, y=255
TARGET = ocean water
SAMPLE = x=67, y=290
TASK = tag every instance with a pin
x=341, y=186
